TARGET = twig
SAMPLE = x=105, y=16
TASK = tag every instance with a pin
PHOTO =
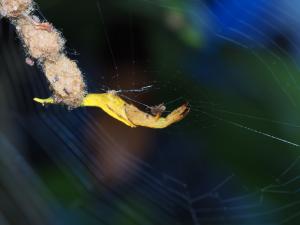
x=45, y=44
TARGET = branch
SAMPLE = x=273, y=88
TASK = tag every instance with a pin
x=44, y=44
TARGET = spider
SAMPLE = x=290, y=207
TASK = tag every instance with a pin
x=44, y=26
x=41, y=25
x=118, y=108
x=158, y=110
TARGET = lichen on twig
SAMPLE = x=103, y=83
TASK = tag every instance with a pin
x=45, y=44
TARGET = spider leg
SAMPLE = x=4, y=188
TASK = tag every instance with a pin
x=44, y=26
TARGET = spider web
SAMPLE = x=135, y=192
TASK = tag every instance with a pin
x=234, y=160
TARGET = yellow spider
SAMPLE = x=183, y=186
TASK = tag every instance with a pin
x=127, y=113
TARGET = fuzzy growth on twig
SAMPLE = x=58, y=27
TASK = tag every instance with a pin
x=45, y=44
x=15, y=8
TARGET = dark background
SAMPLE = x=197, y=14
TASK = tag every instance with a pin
x=233, y=160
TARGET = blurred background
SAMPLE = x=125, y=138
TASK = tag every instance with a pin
x=233, y=160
